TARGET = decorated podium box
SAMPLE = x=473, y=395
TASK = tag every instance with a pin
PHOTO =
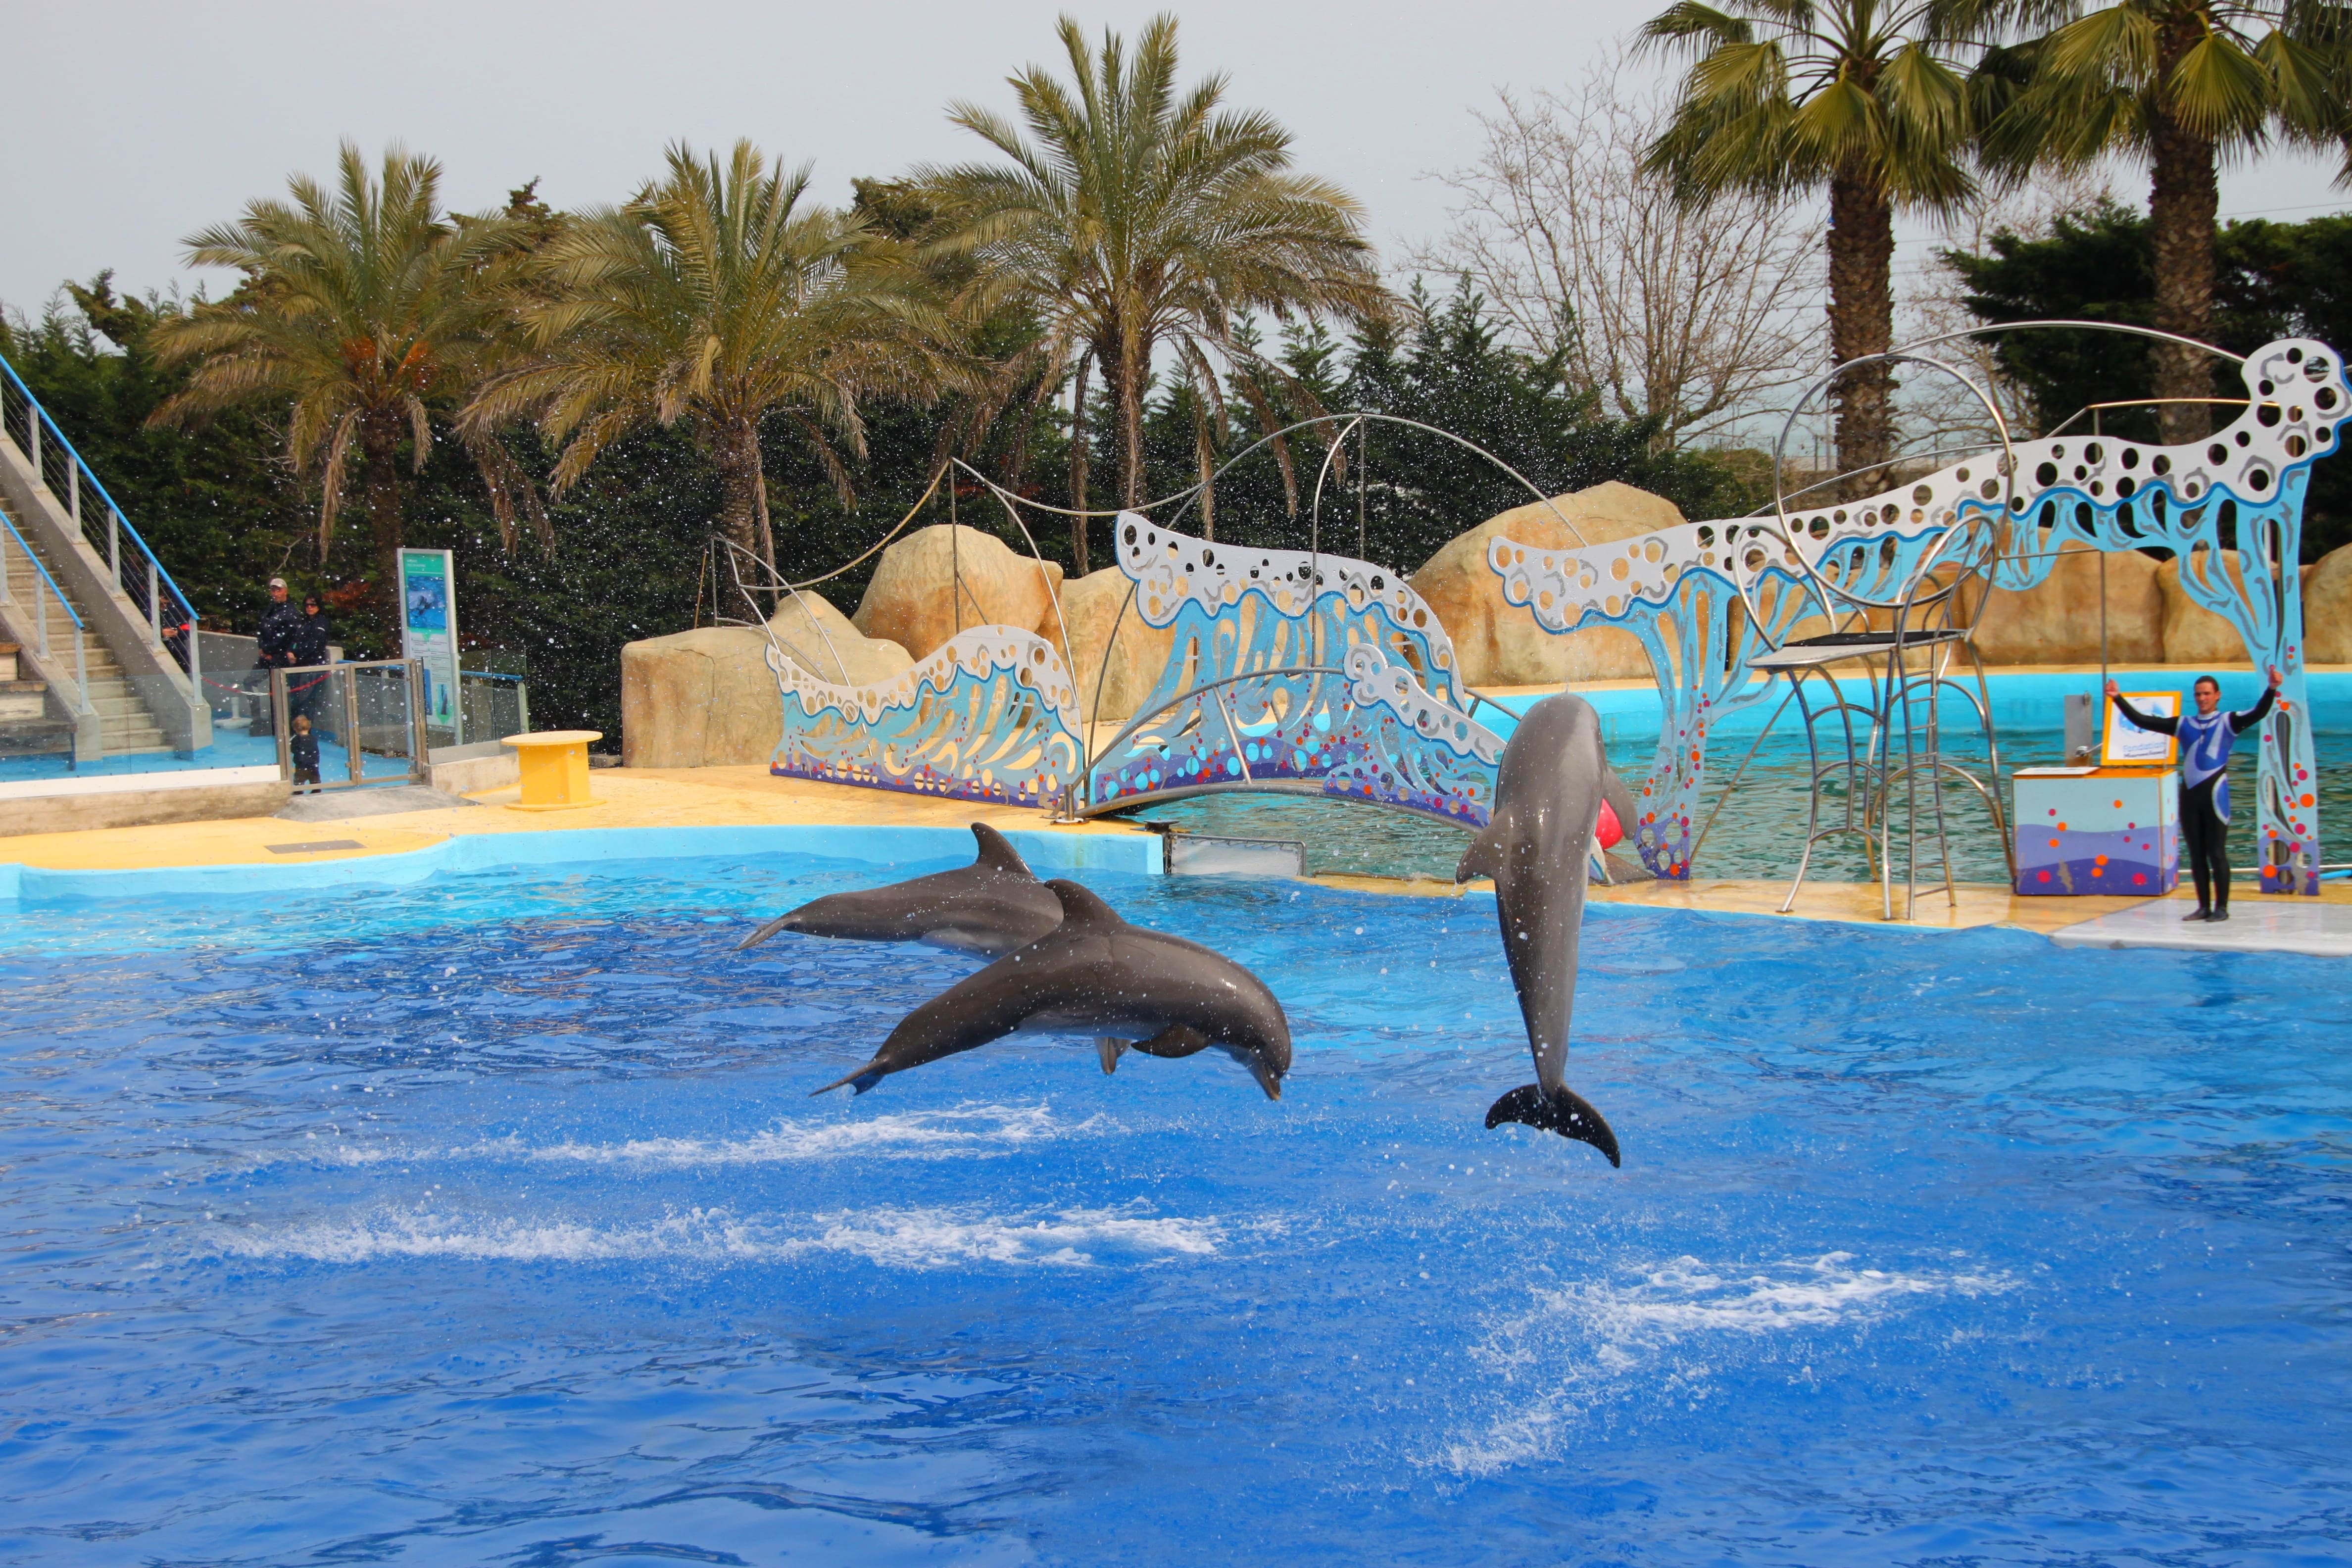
x=2105, y=830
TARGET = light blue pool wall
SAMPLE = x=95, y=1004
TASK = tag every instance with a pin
x=1048, y=854
x=2024, y=703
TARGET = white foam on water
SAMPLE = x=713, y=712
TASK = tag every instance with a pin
x=897, y=1238
x=1581, y=1346
x=963, y=1133
x=930, y=1239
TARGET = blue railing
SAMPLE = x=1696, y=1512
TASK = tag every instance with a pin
x=137, y=575
x=45, y=590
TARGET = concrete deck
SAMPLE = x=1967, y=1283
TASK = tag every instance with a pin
x=624, y=797
x=2320, y=927
x=751, y=797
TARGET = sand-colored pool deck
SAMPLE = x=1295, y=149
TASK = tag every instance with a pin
x=751, y=797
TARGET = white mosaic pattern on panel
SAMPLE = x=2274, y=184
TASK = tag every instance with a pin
x=1377, y=682
x=1170, y=570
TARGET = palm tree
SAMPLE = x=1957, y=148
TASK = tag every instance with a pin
x=2181, y=83
x=1131, y=219
x=1866, y=97
x=714, y=299
x=366, y=310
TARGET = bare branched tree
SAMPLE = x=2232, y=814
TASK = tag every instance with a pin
x=1684, y=314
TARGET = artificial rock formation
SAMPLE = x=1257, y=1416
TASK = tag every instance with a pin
x=914, y=601
x=1137, y=654
x=2193, y=633
x=2057, y=621
x=707, y=697
x=2327, y=609
x=1498, y=644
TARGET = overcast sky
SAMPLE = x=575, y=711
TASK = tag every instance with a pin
x=155, y=120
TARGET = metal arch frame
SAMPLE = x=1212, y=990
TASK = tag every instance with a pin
x=734, y=569
x=2124, y=329
x=1779, y=518
x=1350, y=421
x=1149, y=714
x=1874, y=776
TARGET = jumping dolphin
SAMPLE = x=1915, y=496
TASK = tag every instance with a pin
x=1537, y=846
x=1097, y=973
x=990, y=906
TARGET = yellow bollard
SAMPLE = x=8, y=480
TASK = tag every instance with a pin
x=555, y=768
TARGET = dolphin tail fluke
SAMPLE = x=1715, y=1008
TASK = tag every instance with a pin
x=1563, y=1112
x=1110, y=1050
x=861, y=1080
x=780, y=922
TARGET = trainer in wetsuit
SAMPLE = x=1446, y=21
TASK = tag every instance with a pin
x=2206, y=737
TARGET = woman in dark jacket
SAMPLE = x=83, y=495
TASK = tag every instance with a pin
x=309, y=645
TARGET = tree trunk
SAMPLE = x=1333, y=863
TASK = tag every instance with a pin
x=735, y=452
x=2183, y=199
x=1078, y=464
x=1207, y=459
x=1861, y=322
x=379, y=445
x=1126, y=372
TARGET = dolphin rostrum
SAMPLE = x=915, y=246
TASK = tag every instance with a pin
x=1537, y=846
x=990, y=906
x=1095, y=975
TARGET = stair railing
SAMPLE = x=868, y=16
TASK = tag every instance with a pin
x=45, y=593
x=137, y=575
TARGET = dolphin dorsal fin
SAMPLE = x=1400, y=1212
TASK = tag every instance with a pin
x=1081, y=909
x=996, y=851
x=1485, y=855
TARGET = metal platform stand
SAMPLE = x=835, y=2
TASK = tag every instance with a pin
x=1903, y=704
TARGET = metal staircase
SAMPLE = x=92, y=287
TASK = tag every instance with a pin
x=94, y=613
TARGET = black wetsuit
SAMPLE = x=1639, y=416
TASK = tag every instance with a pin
x=2205, y=745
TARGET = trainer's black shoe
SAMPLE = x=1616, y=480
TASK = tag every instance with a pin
x=2222, y=914
x=2202, y=915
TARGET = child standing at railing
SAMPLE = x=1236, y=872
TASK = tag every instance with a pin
x=302, y=748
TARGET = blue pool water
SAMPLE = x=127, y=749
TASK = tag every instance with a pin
x=488, y=1221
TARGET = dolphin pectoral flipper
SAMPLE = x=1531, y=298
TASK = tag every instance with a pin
x=1563, y=1112
x=1620, y=801
x=1485, y=855
x=1268, y=1078
x=1173, y=1043
x=1110, y=1050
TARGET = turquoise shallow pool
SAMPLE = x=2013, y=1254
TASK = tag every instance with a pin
x=488, y=1221
x=1758, y=835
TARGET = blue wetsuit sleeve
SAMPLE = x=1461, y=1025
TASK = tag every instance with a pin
x=2155, y=723
x=2241, y=722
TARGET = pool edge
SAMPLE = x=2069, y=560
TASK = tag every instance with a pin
x=1050, y=854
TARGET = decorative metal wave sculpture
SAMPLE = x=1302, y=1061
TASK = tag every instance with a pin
x=2242, y=489
x=1666, y=588
x=1292, y=670
x=989, y=716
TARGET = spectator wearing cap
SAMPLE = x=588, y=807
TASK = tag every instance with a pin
x=274, y=643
